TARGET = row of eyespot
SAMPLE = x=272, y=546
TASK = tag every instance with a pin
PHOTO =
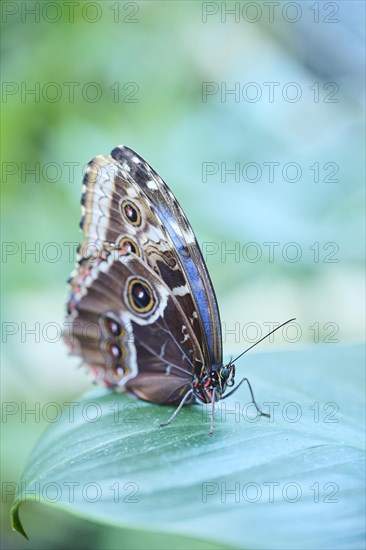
x=133, y=216
x=140, y=294
x=116, y=351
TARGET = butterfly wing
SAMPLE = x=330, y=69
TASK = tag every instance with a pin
x=135, y=228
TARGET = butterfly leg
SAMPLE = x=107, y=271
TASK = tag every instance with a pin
x=259, y=410
x=212, y=414
x=188, y=394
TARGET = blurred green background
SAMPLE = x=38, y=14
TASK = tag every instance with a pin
x=80, y=78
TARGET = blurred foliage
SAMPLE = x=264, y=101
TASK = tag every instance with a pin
x=167, y=55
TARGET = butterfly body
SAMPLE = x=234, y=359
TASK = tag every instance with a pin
x=142, y=311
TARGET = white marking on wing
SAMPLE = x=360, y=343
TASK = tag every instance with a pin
x=185, y=336
x=180, y=290
x=152, y=184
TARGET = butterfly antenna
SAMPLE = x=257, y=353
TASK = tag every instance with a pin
x=264, y=337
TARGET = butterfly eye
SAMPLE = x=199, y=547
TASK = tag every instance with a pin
x=128, y=246
x=113, y=327
x=131, y=212
x=225, y=372
x=140, y=296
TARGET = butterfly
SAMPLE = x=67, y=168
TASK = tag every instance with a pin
x=142, y=310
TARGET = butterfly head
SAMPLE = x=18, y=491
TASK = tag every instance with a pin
x=215, y=382
x=226, y=376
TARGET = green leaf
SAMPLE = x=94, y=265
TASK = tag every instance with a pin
x=293, y=481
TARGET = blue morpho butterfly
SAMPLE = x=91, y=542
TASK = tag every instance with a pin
x=142, y=309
